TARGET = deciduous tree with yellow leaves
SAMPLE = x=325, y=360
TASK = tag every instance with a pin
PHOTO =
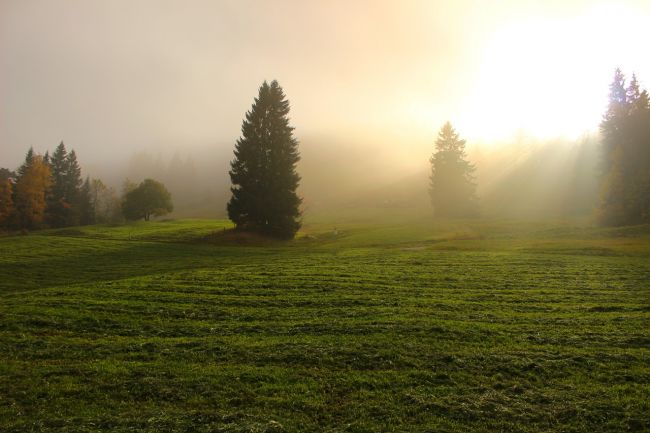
x=30, y=198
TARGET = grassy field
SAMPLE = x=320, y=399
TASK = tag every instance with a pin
x=378, y=327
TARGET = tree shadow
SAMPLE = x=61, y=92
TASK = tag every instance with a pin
x=132, y=259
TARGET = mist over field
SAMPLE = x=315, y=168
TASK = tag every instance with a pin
x=267, y=216
x=132, y=87
x=527, y=178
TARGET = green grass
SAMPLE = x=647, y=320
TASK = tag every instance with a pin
x=415, y=326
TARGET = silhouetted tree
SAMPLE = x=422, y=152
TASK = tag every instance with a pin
x=625, y=189
x=263, y=173
x=147, y=199
x=452, y=188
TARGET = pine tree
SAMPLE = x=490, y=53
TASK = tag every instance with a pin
x=612, y=123
x=625, y=128
x=63, y=197
x=452, y=188
x=263, y=173
x=25, y=165
x=57, y=202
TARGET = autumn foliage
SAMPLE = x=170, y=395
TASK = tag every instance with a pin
x=30, y=196
x=6, y=201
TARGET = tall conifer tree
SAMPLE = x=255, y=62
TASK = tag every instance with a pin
x=29, y=158
x=63, y=207
x=57, y=201
x=263, y=173
x=625, y=128
x=452, y=188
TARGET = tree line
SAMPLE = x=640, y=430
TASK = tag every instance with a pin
x=47, y=191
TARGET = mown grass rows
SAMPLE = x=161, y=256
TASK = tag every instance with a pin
x=130, y=335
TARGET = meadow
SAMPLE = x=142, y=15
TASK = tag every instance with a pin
x=365, y=325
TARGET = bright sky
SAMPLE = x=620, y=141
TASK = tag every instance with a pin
x=111, y=77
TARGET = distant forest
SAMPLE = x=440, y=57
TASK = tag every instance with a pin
x=606, y=177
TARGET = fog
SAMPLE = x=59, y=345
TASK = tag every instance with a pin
x=159, y=89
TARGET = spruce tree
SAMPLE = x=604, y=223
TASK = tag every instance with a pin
x=29, y=158
x=57, y=201
x=263, y=173
x=452, y=188
x=625, y=129
x=63, y=207
x=612, y=123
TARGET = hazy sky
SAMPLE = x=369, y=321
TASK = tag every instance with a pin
x=112, y=77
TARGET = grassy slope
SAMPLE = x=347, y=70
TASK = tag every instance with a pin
x=452, y=326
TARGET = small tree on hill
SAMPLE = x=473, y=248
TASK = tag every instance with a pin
x=452, y=188
x=150, y=198
x=263, y=173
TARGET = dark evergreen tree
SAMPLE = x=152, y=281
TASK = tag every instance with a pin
x=625, y=128
x=58, y=204
x=29, y=158
x=63, y=207
x=452, y=188
x=263, y=173
x=637, y=154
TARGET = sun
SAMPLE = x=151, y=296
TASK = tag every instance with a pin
x=548, y=76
